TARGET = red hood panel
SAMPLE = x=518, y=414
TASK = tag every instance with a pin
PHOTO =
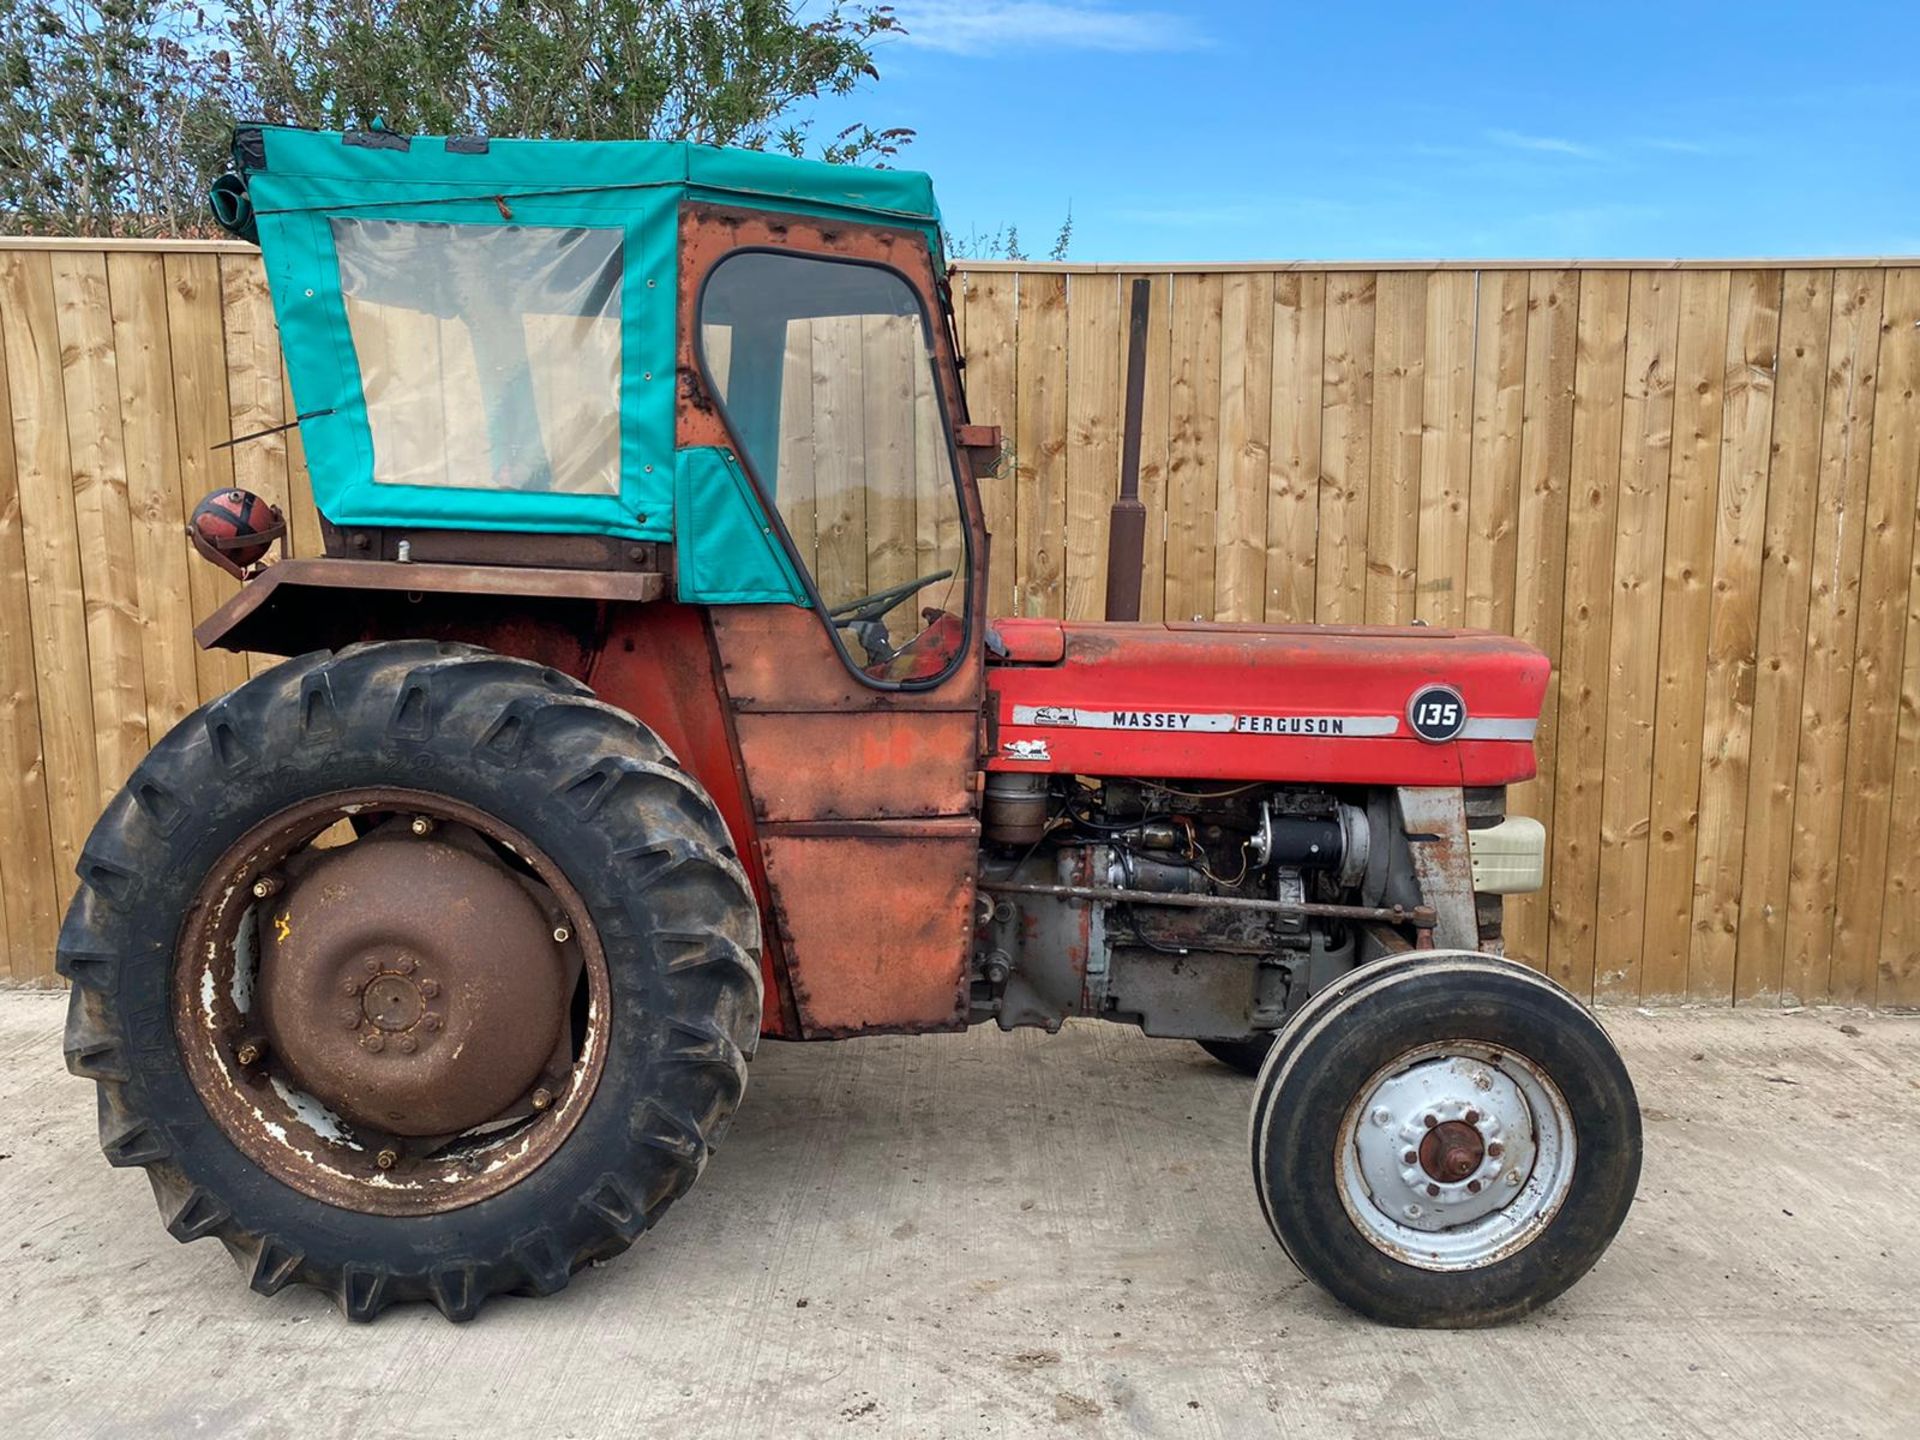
x=1260, y=702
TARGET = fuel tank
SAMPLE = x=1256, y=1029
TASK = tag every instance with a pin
x=1360, y=705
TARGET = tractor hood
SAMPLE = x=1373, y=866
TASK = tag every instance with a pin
x=1366, y=705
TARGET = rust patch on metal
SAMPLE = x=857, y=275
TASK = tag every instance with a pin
x=411, y=984
x=524, y=582
x=879, y=929
x=779, y=659
x=659, y=663
x=236, y=1063
x=1451, y=1151
x=1435, y=819
x=876, y=764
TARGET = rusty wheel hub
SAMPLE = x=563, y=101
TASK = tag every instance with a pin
x=412, y=984
x=1453, y=1149
x=401, y=1017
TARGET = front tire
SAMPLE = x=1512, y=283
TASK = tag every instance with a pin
x=513, y=775
x=1246, y=1056
x=1451, y=1141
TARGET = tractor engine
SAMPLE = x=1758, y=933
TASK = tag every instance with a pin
x=1194, y=910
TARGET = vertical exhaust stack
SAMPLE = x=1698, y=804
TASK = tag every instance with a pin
x=1127, y=526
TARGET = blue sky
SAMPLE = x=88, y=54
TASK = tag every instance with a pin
x=1240, y=130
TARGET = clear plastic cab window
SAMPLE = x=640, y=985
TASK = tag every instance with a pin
x=825, y=371
x=489, y=354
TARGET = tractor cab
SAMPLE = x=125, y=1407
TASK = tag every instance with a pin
x=739, y=364
x=642, y=703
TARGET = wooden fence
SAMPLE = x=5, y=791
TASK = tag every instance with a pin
x=1693, y=485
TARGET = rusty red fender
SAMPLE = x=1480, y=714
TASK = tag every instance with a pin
x=1366, y=705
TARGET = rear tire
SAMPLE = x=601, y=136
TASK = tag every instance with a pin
x=632, y=834
x=1512, y=1192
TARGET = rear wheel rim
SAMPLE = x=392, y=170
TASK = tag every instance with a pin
x=1455, y=1155
x=259, y=1096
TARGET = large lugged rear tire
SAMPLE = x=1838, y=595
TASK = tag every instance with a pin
x=516, y=773
x=1445, y=1140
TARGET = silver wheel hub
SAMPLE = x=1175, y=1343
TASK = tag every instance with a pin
x=1455, y=1156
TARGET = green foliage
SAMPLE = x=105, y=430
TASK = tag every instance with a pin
x=113, y=117
x=116, y=112
x=1003, y=243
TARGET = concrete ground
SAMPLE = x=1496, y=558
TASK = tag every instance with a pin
x=1027, y=1235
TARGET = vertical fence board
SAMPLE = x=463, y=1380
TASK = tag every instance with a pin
x=1446, y=449
x=102, y=521
x=143, y=361
x=1780, y=643
x=1193, y=445
x=1896, y=976
x=29, y=915
x=255, y=390
x=1096, y=323
x=1293, y=456
x=198, y=346
x=1499, y=397
x=1599, y=388
x=1879, y=641
x=1040, y=445
x=1393, y=488
x=1346, y=434
x=1540, y=572
x=1851, y=373
x=1646, y=448
x=1740, y=537
x=988, y=307
x=56, y=596
x=1246, y=408
x=1685, y=595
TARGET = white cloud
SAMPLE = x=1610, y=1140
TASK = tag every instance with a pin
x=1544, y=144
x=982, y=27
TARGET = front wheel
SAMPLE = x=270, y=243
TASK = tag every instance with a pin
x=1451, y=1143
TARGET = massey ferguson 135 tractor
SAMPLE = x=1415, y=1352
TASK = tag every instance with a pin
x=644, y=703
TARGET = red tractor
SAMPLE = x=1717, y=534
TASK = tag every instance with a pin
x=644, y=704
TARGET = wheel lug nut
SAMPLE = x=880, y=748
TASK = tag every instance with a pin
x=1473, y=1117
x=542, y=1098
x=1496, y=1150
x=1473, y=1187
x=406, y=964
x=407, y=1044
x=1412, y=1157
x=373, y=965
x=265, y=886
x=373, y=1040
x=561, y=934
x=430, y=1021
x=350, y=986
x=1433, y=1189
x=249, y=1052
x=422, y=825
x=1431, y=1121
x=387, y=1158
x=429, y=988
x=350, y=1017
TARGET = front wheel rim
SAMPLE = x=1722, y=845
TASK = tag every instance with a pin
x=1455, y=1155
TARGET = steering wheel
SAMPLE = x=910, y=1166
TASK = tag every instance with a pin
x=872, y=607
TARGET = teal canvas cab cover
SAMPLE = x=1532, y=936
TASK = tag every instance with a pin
x=480, y=334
